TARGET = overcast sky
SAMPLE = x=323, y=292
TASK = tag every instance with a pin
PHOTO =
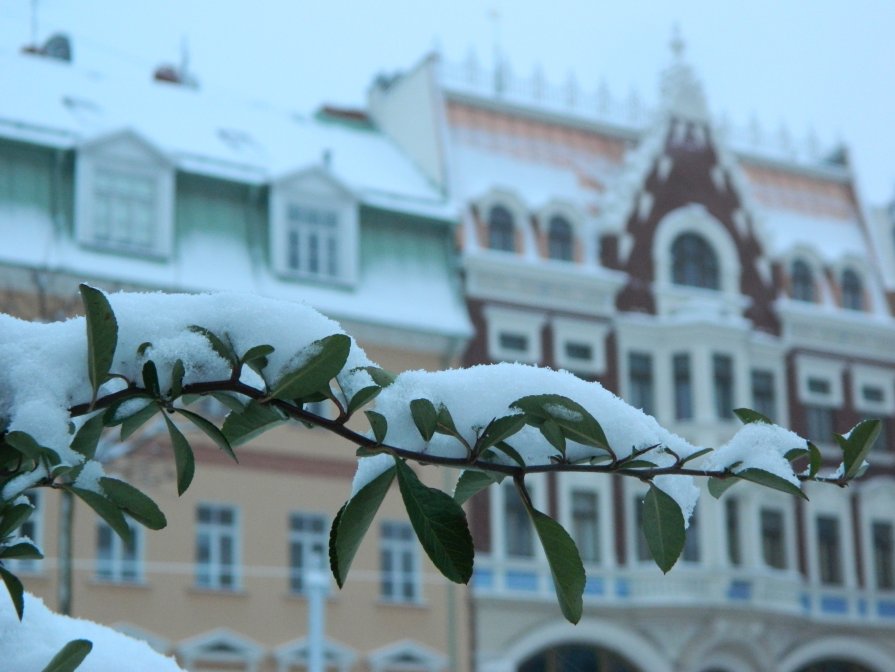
x=821, y=65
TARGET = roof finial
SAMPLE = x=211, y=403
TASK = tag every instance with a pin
x=677, y=43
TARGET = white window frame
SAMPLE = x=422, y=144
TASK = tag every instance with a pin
x=221, y=646
x=516, y=207
x=125, y=154
x=569, y=330
x=569, y=482
x=537, y=485
x=217, y=532
x=833, y=505
x=406, y=656
x=528, y=324
x=398, y=549
x=809, y=367
x=118, y=565
x=315, y=189
x=877, y=502
x=884, y=379
x=306, y=539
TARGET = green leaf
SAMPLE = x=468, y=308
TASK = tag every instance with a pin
x=510, y=452
x=472, y=482
x=638, y=464
x=105, y=509
x=223, y=349
x=748, y=416
x=184, y=461
x=565, y=564
x=150, y=379
x=115, y=415
x=499, y=429
x=795, y=453
x=87, y=437
x=860, y=441
x=440, y=525
x=663, y=527
x=229, y=401
x=177, y=373
x=718, y=486
x=696, y=455
x=102, y=335
x=24, y=550
x=352, y=522
x=381, y=377
x=576, y=422
x=139, y=506
x=815, y=459
x=378, y=424
x=554, y=435
x=13, y=517
x=70, y=656
x=363, y=397
x=770, y=480
x=257, y=356
x=133, y=422
x=425, y=417
x=315, y=372
x=253, y=420
x=143, y=347
x=14, y=586
x=25, y=444
x=445, y=422
x=210, y=430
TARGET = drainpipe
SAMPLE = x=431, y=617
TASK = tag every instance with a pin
x=317, y=585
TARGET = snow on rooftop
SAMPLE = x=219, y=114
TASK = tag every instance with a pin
x=832, y=240
x=59, y=104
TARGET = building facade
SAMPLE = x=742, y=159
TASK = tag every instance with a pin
x=472, y=217
x=157, y=186
x=691, y=273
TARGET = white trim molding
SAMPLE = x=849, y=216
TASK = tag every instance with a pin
x=221, y=645
x=583, y=333
x=406, y=655
x=523, y=326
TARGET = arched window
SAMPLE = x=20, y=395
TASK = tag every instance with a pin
x=852, y=290
x=572, y=657
x=694, y=263
x=559, y=239
x=802, y=282
x=501, y=231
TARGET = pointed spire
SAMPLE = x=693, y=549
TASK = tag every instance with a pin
x=681, y=91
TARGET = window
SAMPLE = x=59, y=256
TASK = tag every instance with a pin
x=764, y=399
x=510, y=341
x=852, y=290
x=519, y=541
x=882, y=440
x=732, y=524
x=829, y=551
x=399, y=563
x=640, y=381
x=586, y=525
x=819, y=423
x=116, y=561
x=576, y=657
x=873, y=393
x=694, y=263
x=501, y=230
x=307, y=547
x=33, y=530
x=819, y=386
x=312, y=241
x=722, y=367
x=883, y=555
x=560, y=239
x=579, y=351
x=641, y=547
x=124, y=208
x=217, y=547
x=773, y=545
x=802, y=279
x=683, y=388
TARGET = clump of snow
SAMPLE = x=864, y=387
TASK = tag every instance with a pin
x=759, y=445
x=89, y=477
x=27, y=646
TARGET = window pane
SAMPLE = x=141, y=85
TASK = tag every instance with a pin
x=640, y=374
x=515, y=342
x=828, y=550
x=883, y=555
x=501, y=233
x=773, y=546
x=763, y=396
x=732, y=517
x=694, y=262
x=691, y=540
x=683, y=388
x=519, y=541
x=559, y=239
x=585, y=525
x=819, y=423
x=722, y=366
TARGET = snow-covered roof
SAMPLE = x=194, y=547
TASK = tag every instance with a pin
x=831, y=240
x=61, y=105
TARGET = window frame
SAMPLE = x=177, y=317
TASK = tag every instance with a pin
x=555, y=223
x=852, y=290
x=689, y=248
x=802, y=283
x=650, y=408
x=117, y=563
x=591, y=333
x=529, y=324
x=398, y=550
x=218, y=532
x=305, y=540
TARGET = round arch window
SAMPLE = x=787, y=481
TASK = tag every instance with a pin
x=852, y=290
x=694, y=262
x=575, y=657
x=802, y=282
x=559, y=239
x=501, y=230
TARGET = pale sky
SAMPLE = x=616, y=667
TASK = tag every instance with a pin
x=821, y=65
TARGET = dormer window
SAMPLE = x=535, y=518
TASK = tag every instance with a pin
x=124, y=197
x=560, y=239
x=501, y=230
x=802, y=282
x=314, y=228
x=852, y=290
x=694, y=262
